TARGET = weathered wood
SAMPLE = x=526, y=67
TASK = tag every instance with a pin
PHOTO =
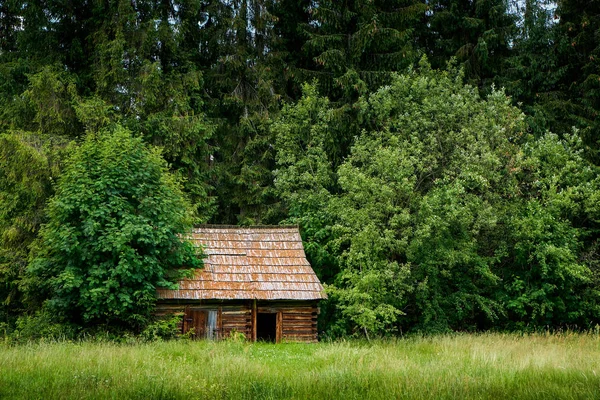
x=186, y=320
x=299, y=332
x=254, y=318
x=299, y=337
x=298, y=318
x=294, y=322
x=237, y=313
x=219, y=323
x=278, y=327
x=296, y=328
x=194, y=319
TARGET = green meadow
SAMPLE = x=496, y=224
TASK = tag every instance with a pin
x=488, y=366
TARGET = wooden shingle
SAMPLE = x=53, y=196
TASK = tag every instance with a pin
x=249, y=263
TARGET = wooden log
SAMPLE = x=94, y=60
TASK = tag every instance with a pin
x=278, y=327
x=254, y=317
x=287, y=317
x=299, y=332
x=300, y=336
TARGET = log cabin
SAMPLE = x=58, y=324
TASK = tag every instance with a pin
x=255, y=281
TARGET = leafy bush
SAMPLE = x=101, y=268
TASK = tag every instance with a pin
x=163, y=328
x=41, y=326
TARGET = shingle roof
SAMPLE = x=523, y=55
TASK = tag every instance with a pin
x=263, y=263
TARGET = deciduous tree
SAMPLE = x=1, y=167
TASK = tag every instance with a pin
x=114, y=233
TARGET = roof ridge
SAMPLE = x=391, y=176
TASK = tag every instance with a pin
x=219, y=226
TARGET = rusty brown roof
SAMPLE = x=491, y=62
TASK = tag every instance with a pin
x=263, y=263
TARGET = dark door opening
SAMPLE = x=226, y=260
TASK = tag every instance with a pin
x=266, y=327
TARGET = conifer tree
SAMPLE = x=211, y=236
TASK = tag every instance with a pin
x=245, y=82
x=476, y=32
x=578, y=29
x=531, y=75
x=355, y=46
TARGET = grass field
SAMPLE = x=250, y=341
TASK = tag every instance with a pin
x=489, y=366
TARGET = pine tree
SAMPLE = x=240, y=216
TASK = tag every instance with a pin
x=245, y=82
x=578, y=29
x=356, y=44
x=476, y=32
x=531, y=75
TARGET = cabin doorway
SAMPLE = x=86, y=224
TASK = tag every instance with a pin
x=266, y=327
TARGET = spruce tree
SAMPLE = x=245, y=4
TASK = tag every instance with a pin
x=245, y=82
x=578, y=30
x=476, y=32
x=531, y=75
x=355, y=46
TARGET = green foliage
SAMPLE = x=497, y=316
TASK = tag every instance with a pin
x=41, y=326
x=158, y=92
x=356, y=44
x=477, y=33
x=29, y=164
x=546, y=279
x=305, y=177
x=421, y=204
x=532, y=72
x=113, y=233
x=419, y=194
x=163, y=328
x=579, y=57
x=444, y=216
x=246, y=78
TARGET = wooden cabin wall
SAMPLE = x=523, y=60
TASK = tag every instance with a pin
x=164, y=310
x=299, y=324
x=237, y=319
x=230, y=317
x=296, y=322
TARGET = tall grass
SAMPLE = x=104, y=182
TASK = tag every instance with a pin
x=489, y=366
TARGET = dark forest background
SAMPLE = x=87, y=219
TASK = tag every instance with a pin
x=440, y=156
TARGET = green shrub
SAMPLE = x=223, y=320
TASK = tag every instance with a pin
x=41, y=326
x=163, y=328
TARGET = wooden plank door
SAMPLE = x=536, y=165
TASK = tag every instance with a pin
x=196, y=320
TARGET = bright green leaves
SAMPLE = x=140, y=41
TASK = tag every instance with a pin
x=551, y=232
x=304, y=178
x=418, y=184
x=443, y=216
x=113, y=232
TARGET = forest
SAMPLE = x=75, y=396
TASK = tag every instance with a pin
x=441, y=157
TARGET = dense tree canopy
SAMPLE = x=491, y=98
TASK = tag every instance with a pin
x=443, y=216
x=425, y=204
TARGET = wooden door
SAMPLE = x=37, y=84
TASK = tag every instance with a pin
x=196, y=320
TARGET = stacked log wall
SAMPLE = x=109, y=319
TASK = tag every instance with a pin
x=163, y=310
x=296, y=322
x=236, y=319
x=299, y=324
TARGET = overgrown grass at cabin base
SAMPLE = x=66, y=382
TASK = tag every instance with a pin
x=489, y=366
